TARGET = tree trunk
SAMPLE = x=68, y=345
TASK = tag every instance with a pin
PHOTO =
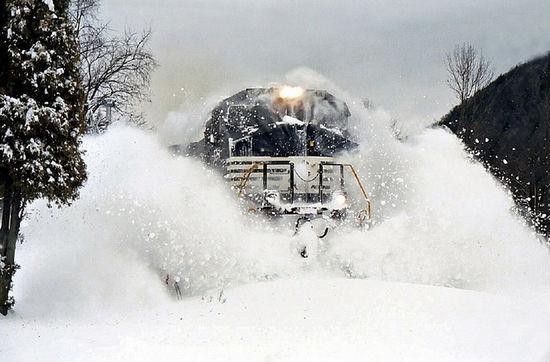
x=11, y=221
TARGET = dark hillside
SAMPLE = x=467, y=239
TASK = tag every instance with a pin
x=507, y=127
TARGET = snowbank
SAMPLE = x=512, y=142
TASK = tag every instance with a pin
x=311, y=318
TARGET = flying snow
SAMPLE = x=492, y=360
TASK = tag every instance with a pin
x=147, y=218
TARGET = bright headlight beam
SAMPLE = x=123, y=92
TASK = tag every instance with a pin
x=288, y=92
x=340, y=199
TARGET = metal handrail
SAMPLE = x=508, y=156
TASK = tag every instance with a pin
x=368, y=209
x=363, y=214
x=247, y=174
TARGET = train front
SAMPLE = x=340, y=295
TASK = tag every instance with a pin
x=276, y=147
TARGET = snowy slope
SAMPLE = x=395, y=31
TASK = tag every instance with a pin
x=309, y=318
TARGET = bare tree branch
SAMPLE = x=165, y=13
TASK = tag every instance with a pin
x=113, y=67
x=467, y=71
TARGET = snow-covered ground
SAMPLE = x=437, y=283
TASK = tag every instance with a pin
x=308, y=318
x=448, y=273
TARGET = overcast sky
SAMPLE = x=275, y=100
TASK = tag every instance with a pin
x=388, y=51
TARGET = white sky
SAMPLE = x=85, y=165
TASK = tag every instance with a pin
x=391, y=52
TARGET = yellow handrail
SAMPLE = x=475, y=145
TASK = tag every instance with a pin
x=368, y=210
x=247, y=174
x=361, y=217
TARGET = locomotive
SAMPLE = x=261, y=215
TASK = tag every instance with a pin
x=277, y=148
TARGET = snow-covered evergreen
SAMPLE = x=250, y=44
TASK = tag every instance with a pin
x=41, y=119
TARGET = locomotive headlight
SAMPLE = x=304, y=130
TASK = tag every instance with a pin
x=290, y=93
x=339, y=199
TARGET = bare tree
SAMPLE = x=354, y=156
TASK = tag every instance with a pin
x=468, y=71
x=115, y=69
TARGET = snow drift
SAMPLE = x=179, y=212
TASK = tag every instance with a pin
x=306, y=318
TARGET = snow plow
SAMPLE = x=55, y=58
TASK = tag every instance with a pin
x=276, y=147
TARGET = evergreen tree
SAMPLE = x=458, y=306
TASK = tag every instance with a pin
x=41, y=118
